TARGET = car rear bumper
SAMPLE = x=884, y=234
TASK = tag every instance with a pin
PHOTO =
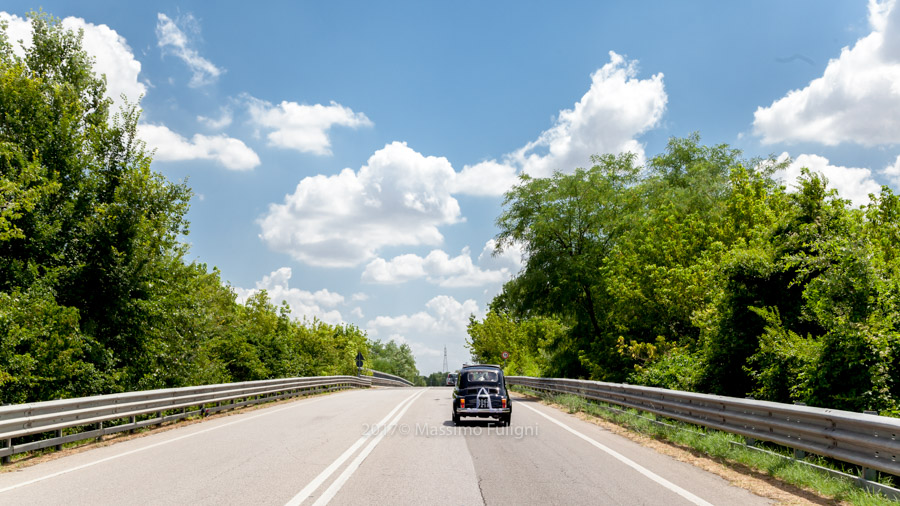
x=483, y=411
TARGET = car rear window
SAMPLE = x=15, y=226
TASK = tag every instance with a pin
x=482, y=376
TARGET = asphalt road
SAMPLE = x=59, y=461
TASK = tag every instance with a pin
x=383, y=446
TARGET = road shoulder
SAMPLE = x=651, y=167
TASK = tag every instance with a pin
x=736, y=474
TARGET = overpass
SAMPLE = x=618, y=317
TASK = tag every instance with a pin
x=385, y=445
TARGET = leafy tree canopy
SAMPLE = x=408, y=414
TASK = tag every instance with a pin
x=95, y=293
x=699, y=271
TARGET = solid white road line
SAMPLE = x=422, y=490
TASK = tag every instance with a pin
x=625, y=460
x=328, y=471
x=154, y=445
x=335, y=487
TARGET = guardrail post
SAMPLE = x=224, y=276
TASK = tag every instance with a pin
x=100, y=428
x=867, y=473
x=133, y=421
x=5, y=443
x=799, y=454
x=58, y=435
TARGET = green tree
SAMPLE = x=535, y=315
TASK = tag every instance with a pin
x=435, y=379
x=95, y=293
x=698, y=203
x=86, y=216
x=809, y=313
x=393, y=359
x=42, y=352
x=527, y=341
x=567, y=224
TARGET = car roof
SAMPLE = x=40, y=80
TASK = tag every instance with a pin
x=481, y=374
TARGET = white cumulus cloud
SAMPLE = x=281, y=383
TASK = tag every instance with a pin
x=114, y=59
x=112, y=55
x=489, y=178
x=442, y=323
x=856, y=100
x=225, y=118
x=319, y=304
x=399, y=198
x=171, y=38
x=303, y=127
x=512, y=257
x=852, y=183
x=229, y=152
x=400, y=269
x=437, y=268
x=443, y=316
x=18, y=32
x=893, y=172
x=608, y=119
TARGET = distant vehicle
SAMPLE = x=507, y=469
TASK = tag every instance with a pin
x=451, y=379
x=481, y=391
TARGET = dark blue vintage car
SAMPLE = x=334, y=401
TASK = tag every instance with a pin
x=481, y=391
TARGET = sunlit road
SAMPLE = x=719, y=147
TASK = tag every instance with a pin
x=380, y=446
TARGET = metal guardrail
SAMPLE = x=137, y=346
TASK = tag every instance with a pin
x=384, y=379
x=90, y=413
x=867, y=440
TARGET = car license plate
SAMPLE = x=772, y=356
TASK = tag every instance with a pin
x=484, y=403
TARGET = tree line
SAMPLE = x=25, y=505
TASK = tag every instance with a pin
x=96, y=294
x=699, y=271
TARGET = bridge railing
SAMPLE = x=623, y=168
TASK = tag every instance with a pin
x=96, y=416
x=867, y=440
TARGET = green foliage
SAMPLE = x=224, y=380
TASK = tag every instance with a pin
x=43, y=353
x=700, y=272
x=672, y=367
x=568, y=225
x=732, y=329
x=393, y=359
x=784, y=362
x=529, y=342
x=95, y=295
x=435, y=379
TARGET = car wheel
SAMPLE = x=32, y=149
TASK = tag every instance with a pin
x=505, y=420
x=455, y=418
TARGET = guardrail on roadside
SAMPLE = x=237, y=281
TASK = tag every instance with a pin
x=53, y=417
x=384, y=379
x=867, y=440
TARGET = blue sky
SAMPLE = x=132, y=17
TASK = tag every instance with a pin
x=350, y=157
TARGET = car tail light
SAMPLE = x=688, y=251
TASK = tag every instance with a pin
x=503, y=403
x=462, y=403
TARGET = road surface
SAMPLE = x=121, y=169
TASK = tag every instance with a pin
x=392, y=446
